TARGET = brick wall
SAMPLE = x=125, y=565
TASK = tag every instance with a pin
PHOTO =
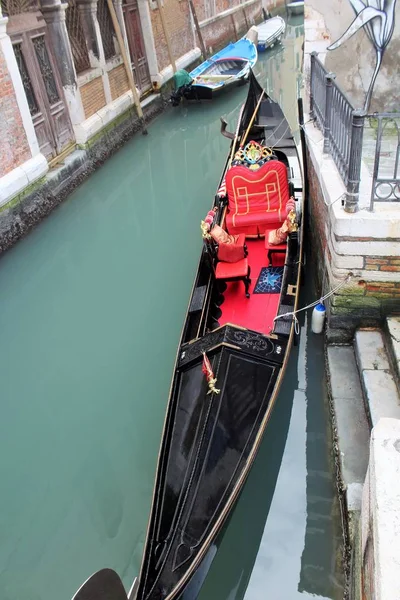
x=118, y=81
x=14, y=148
x=93, y=97
x=176, y=13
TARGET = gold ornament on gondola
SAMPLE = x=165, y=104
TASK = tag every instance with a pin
x=252, y=154
x=204, y=231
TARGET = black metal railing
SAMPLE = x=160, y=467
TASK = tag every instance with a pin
x=347, y=130
x=386, y=177
x=341, y=125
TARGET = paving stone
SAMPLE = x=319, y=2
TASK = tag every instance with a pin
x=381, y=395
x=345, y=381
x=351, y=421
x=354, y=496
x=393, y=324
x=370, y=350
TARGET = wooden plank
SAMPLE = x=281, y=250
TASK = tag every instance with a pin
x=234, y=27
x=127, y=62
x=196, y=24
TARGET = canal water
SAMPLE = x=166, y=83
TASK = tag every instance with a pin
x=91, y=307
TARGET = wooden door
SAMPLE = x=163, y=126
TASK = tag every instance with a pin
x=43, y=91
x=137, y=51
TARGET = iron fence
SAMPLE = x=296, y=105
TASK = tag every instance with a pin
x=346, y=130
x=76, y=36
x=106, y=29
x=386, y=177
x=341, y=125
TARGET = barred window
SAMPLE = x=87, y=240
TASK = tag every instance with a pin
x=106, y=29
x=77, y=37
x=16, y=7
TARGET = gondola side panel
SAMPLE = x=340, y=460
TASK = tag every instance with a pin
x=213, y=435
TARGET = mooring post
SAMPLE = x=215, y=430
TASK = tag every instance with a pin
x=329, y=78
x=354, y=172
x=313, y=56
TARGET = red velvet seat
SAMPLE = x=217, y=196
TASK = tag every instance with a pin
x=227, y=270
x=256, y=199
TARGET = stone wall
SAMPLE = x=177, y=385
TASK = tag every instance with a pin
x=217, y=32
x=354, y=76
x=14, y=148
x=380, y=525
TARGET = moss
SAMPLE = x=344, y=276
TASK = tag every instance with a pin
x=355, y=302
x=26, y=191
x=352, y=289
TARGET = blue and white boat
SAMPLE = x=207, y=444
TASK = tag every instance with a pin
x=228, y=68
x=270, y=32
x=296, y=7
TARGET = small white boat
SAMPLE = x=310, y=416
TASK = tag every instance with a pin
x=296, y=7
x=270, y=32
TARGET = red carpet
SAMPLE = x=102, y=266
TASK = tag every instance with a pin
x=259, y=310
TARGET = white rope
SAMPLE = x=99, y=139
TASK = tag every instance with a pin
x=320, y=301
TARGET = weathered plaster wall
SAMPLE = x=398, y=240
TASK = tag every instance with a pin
x=355, y=60
x=14, y=148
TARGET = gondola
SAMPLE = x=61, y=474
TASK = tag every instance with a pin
x=232, y=356
x=226, y=69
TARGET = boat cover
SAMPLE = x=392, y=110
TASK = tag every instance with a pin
x=182, y=78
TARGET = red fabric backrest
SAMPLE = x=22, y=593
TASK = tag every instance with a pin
x=263, y=190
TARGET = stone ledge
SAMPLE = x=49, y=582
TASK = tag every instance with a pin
x=21, y=177
x=383, y=223
x=381, y=509
x=351, y=422
x=393, y=325
x=370, y=350
x=380, y=390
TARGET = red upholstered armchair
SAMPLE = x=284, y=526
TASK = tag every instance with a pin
x=256, y=199
x=228, y=255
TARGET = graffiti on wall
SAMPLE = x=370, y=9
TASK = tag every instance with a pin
x=376, y=17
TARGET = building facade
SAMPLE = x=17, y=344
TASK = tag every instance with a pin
x=63, y=80
x=353, y=144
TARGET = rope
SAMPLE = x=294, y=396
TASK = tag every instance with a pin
x=320, y=301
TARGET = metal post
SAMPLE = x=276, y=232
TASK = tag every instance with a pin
x=353, y=178
x=329, y=78
x=376, y=163
x=313, y=56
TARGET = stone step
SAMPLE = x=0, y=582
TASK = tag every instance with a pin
x=378, y=383
x=352, y=426
x=393, y=343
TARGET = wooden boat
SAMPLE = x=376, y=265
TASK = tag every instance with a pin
x=232, y=356
x=226, y=69
x=270, y=32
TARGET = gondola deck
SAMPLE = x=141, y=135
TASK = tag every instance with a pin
x=257, y=312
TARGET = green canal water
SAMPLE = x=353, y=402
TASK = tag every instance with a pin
x=91, y=307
